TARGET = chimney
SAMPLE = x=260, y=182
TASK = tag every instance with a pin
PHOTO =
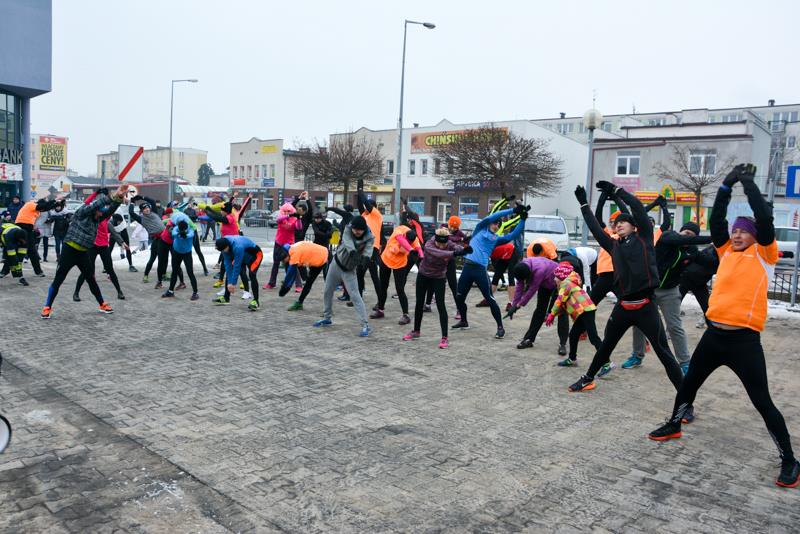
x=771, y=102
x=562, y=115
x=416, y=125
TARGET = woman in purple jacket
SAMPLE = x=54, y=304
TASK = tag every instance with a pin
x=439, y=252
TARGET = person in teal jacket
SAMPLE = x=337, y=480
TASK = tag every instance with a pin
x=183, y=234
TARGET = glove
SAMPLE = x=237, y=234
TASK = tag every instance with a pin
x=137, y=198
x=606, y=187
x=748, y=173
x=103, y=191
x=733, y=176
x=510, y=313
x=549, y=320
x=463, y=252
x=518, y=209
x=524, y=215
x=580, y=194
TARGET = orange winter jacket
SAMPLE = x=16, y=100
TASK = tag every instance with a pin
x=604, y=263
x=375, y=224
x=740, y=290
x=395, y=256
x=548, y=248
x=308, y=253
x=27, y=214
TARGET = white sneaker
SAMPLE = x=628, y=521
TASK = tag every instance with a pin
x=247, y=295
x=221, y=292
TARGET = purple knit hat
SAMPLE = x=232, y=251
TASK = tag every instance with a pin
x=748, y=224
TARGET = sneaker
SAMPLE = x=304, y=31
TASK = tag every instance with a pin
x=205, y=272
x=241, y=285
x=375, y=308
x=145, y=279
x=45, y=312
x=700, y=324
x=443, y=344
x=607, y=368
x=365, y=331
x=482, y=304
x=40, y=274
x=790, y=474
x=568, y=362
x=404, y=320
x=633, y=361
x=253, y=306
x=247, y=295
x=159, y=285
x=411, y=335
x=460, y=325
x=296, y=306
x=458, y=316
x=220, y=301
x=562, y=350
x=181, y=286
x=168, y=294
x=120, y=295
x=268, y=286
x=76, y=297
x=668, y=430
x=583, y=384
x=105, y=308
x=221, y=292
x=688, y=415
x=194, y=296
x=525, y=344
x=377, y=314
x=342, y=298
x=133, y=269
x=219, y=283
x=427, y=308
x=298, y=289
x=500, y=334
x=323, y=322
x=23, y=282
x=685, y=368
x=349, y=304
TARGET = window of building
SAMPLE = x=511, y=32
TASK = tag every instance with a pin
x=424, y=168
x=272, y=170
x=703, y=162
x=606, y=126
x=241, y=171
x=233, y=172
x=468, y=207
x=437, y=166
x=565, y=128
x=417, y=204
x=389, y=166
x=628, y=162
x=732, y=117
x=258, y=171
x=412, y=166
x=249, y=171
x=712, y=118
x=791, y=141
x=450, y=166
x=657, y=122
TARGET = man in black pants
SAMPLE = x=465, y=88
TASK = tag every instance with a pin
x=151, y=222
x=736, y=315
x=635, y=279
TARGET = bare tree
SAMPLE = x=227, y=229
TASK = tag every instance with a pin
x=695, y=169
x=336, y=166
x=502, y=160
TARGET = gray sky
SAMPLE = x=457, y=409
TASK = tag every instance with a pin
x=303, y=69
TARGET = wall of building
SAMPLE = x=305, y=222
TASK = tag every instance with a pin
x=25, y=55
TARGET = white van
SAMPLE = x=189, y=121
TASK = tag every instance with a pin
x=551, y=227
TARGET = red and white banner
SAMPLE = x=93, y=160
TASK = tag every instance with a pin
x=130, y=163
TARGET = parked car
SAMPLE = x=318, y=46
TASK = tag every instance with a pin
x=549, y=226
x=73, y=205
x=786, y=236
x=272, y=222
x=468, y=226
x=259, y=218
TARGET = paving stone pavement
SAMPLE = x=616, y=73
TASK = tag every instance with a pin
x=183, y=417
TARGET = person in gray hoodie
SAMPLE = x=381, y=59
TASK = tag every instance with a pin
x=151, y=221
x=354, y=250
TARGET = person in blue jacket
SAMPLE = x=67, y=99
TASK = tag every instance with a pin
x=238, y=253
x=183, y=236
x=484, y=240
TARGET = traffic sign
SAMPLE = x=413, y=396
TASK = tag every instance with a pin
x=793, y=182
x=130, y=163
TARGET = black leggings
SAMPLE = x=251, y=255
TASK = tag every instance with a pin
x=544, y=303
x=452, y=281
x=108, y=266
x=186, y=259
x=155, y=244
x=429, y=286
x=127, y=241
x=276, y=265
x=373, y=266
x=648, y=321
x=741, y=352
x=584, y=322
x=500, y=267
x=400, y=276
x=211, y=226
x=313, y=273
x=700, y=292
x=196, y=244
x=252, y=270
x=472, y=272
x=164, y=251
x=71, y=257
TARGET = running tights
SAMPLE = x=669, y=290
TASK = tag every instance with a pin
x=430, y=286
x=400, y=276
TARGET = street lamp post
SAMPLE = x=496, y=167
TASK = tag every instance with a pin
x=169, y=158
x=398, y=163
x=592, y=119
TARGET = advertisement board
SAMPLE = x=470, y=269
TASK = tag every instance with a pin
x=52, y=153
x=428, y=141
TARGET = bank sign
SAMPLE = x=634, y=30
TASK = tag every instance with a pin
x=429, y=141
x=52, y=153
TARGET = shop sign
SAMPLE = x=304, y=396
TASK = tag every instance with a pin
x=686, y=198
x=268, y=182
x=269, y=149
x=429, y=141
x=11, y=156
x=646, y=196
x=668, y=192
x=52, y=153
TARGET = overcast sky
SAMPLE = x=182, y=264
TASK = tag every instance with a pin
x=300, y=70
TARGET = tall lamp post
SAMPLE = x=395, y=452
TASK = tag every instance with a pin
x=592, y=119
x=399, y=162
x=169, y=158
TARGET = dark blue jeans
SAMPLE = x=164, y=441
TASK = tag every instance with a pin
x=472, y=272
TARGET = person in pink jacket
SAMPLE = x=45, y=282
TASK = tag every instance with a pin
x=288, y=223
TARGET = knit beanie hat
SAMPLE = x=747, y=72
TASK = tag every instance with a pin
x=454, y=222
x=692, y=227
x=625, y=217
x=358, y=223
x=222, y=243
x=748, y=224
x=563, y=270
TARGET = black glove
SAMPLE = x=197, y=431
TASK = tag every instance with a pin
x=661, y=201
x=733, y=176
x=524, y=215
x=137, y=198
x=580, y=194
x=748, y=173
x=510, y=313
x=102, y=191
x=606, y=187
x=463, y=252
x=518, y=209
x=511, y=198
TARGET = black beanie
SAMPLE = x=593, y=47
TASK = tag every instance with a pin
x=222, y=243
x=358, y=223
x=692, y=226
x=522, y=271
x=183, y=225
x=625, y=217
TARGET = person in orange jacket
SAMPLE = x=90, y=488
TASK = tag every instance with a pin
x=394, y=261
x=26, y=219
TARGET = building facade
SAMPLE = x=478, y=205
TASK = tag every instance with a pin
x=155, y=163
x=25, y=72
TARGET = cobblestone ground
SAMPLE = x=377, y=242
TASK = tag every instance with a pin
x=181, y=417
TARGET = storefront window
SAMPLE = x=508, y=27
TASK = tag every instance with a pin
x=417, y=205
x=384, y=201
x=468, y=207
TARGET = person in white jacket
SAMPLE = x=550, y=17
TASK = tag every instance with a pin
x=45, y=227
x=588, y=257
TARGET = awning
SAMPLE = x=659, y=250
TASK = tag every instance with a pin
x=199, y=190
